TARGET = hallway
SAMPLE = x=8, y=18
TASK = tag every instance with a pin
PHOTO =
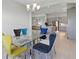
x=65, y=48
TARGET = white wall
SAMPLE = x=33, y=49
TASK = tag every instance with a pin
x=14, y=16
x=71, y=23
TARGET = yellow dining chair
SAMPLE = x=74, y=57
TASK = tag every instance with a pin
x=13, y=52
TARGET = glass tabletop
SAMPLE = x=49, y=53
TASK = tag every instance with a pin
x=22, y=40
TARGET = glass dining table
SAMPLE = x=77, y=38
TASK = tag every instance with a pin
x=25, y=41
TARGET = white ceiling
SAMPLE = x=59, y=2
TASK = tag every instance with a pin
x=44, y=3
x=56, y=8
x=49, y=6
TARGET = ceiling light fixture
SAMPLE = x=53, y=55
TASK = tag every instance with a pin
x=32, y=7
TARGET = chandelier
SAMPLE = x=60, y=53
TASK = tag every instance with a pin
x=32, y=7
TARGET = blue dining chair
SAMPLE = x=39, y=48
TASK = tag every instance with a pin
x=17, y=32
x=45, y=49
x=43, y=30
x=24, y=31
x=43, y=37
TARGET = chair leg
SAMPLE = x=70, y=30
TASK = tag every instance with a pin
x=7, y=56
x=54, y=50
x=32, y=56
x=13, y=57
x=25, y=55
x=46, y=56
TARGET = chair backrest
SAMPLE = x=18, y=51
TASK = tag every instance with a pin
x=43, y=30
x=52, y=39
x=24, y=31
x=6, y=39
x=17, y=32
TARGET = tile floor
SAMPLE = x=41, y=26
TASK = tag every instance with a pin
x=65, y=48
